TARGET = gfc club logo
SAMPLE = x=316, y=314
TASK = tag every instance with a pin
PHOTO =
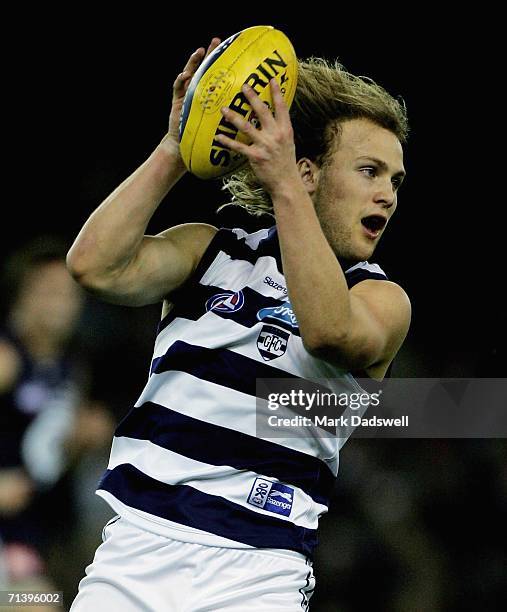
x=272, y=342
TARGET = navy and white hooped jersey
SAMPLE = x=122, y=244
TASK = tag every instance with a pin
x=186, y=462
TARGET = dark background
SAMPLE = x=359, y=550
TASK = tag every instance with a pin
x=88, y=100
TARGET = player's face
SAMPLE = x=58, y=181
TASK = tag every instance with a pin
x=356, y=191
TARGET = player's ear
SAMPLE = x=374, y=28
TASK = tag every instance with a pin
x=309, y=172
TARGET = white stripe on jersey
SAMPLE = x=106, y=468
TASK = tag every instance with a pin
x=252, y=240
x=366, y=265
x=236, y=411
x=243, y=341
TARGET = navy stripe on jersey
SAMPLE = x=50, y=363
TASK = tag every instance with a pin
x=188, y=506
x=227, y=369
x=356, y=276
x=228, y=241
x=219, y=366
x=184, y=435
x=237, y=248
x=195, y=307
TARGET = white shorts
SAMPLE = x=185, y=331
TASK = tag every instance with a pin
x=136, y=570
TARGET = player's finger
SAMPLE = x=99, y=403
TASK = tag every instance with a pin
x=279, y=105
x=241, y=124
x=180, y=81
x=194, y=60
x=261, y=110
x=234, y=145
x=213, y=45
x=180, y=85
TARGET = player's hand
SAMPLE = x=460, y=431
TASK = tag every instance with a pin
x=272, y=153
x=180, y=87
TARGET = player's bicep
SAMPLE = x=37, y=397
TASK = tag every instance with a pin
x=182, y=247
x=161, y=265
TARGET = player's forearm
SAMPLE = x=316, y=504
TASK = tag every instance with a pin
x=112, y=235
x=317, y=287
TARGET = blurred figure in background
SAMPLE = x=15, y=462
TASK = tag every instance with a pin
x=47, y=420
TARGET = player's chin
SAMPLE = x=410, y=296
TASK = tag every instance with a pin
x=364, y=248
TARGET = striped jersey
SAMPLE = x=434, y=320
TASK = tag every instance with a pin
x=186, y=461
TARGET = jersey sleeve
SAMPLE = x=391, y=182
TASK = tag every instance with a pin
x=364, y=271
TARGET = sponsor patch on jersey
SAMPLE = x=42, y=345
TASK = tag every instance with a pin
x=271, y=496
x=279, y=314
x=272, y=342
x=228, y=301
x=272, y=283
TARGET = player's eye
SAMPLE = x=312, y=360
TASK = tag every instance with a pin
x=370, y=171
x=397, y=181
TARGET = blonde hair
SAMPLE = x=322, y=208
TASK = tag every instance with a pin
x=326, y=96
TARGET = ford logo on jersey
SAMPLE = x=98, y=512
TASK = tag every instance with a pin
x=271, y=496
x=282, y=314
x=228, y=301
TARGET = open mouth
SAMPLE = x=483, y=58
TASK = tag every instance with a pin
x=374, y=224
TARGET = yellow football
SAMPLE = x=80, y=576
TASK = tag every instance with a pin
x=252, y=56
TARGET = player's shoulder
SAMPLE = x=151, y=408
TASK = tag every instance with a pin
x=367, y=277
x=238, y=243
x=362, y=271
x=188, y=231
x=190, y=238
